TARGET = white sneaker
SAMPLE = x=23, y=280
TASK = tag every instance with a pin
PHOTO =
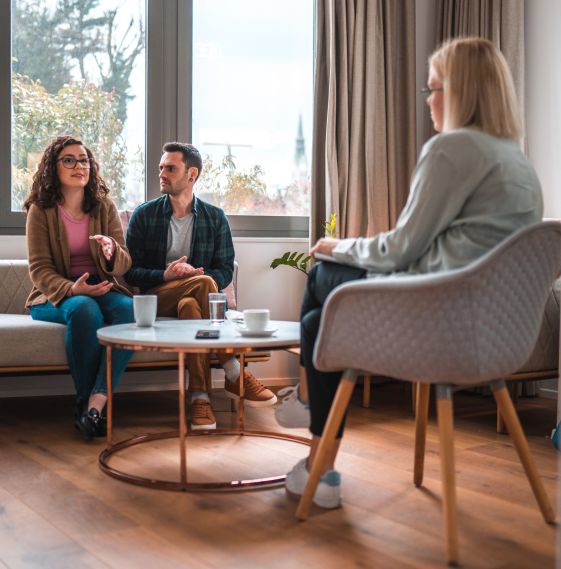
x=328, y=493
x=292, y=413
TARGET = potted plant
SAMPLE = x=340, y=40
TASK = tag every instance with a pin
x=295, y=260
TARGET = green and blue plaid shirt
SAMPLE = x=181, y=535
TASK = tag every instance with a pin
x=212, y=247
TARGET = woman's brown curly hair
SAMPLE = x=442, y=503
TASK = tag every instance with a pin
x=45, y=189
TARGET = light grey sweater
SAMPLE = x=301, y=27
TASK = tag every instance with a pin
x=469, y=191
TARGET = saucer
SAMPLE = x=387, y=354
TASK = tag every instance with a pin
x=257, y=334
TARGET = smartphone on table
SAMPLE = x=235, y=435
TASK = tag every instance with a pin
x=208, y=335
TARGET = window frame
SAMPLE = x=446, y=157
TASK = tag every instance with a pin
x=169, y=35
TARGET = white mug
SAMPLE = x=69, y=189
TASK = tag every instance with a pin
x=256, y=319
x=145, y=308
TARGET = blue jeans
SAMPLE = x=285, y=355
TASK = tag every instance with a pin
x=83, y=316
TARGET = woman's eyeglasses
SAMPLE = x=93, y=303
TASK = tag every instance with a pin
x=70, y=163
x=427, y=92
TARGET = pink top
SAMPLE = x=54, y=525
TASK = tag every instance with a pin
x=81, y=259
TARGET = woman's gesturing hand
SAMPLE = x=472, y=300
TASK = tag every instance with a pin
x=80, y=287
x=324, y=246
x=107, y=245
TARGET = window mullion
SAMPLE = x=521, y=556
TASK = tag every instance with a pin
x=8, y=219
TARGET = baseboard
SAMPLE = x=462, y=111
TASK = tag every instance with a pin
x=132, y=381
x=269, y=382
x=548, y=393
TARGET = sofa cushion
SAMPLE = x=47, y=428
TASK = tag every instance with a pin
x=26, y=342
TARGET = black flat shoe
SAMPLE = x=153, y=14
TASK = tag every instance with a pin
x=101, y=429
x=82, y=407
x=88, y=422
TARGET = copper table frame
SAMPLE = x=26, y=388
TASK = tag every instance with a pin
x=182, y=434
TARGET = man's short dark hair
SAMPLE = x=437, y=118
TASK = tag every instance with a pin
x=191, y=156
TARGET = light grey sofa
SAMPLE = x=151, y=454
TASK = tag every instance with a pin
x=28, y=347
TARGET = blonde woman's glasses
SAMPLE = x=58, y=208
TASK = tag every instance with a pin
x=427, y=92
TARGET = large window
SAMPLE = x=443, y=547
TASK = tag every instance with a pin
x=252, y=103
x=78, y=69
x=234, y=77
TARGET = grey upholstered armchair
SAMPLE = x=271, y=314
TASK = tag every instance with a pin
x=467, y=327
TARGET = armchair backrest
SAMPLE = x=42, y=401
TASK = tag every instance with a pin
x=462, y=327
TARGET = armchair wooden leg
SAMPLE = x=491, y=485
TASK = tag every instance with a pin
x=303, y=388
x=423, y=392
x=413, y=397
x=336, y=413
x=514, y=391
x=446, y=428
x=521, y=444
x=501, y=429
x=366, y=395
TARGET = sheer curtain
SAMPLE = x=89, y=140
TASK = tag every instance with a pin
x=364, y=115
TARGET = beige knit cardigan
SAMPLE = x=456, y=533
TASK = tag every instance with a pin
x=49, y=255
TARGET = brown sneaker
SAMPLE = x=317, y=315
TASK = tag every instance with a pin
x=202, y=417
x=255, y=393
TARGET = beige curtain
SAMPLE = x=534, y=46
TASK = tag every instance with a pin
x=499, y=21
x=364, y=115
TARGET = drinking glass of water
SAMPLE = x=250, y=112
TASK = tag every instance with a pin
x=217, y=307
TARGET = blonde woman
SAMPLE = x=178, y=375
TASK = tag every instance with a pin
x=471, y=188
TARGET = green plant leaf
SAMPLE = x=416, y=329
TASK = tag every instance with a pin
x=304, y=263
x=288, y=260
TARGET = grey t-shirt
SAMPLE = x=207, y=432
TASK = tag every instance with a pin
x=180, y=237
x=469, y=191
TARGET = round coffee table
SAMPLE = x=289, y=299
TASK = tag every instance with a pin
x=178, y=336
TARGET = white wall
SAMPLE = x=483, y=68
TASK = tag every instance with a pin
x=12, y=247
x=543, y=97
x=542, y=20
x=280, y=290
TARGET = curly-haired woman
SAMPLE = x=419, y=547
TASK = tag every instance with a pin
x=75, y=247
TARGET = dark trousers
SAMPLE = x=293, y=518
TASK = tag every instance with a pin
x=323, y=278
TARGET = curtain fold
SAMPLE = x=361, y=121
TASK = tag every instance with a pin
x=364, y=114
x=499, y=21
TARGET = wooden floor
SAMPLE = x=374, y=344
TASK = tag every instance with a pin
x=58, y=510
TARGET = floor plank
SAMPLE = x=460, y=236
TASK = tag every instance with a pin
x=29, y=541
x=58, y=509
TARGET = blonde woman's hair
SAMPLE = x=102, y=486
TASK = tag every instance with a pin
x=478, y=88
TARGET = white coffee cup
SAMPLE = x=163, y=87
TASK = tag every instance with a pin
x=145, y=308
x=256, y=319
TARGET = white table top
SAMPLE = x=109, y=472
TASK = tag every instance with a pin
x=181, y=334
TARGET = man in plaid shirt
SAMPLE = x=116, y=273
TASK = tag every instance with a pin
x=181, y=249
